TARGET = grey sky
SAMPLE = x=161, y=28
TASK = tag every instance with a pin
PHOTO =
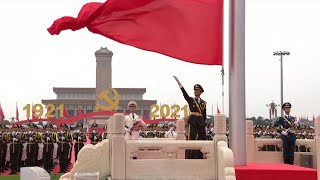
x=32, y=61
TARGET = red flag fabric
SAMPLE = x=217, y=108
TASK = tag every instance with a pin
x=79, y=110
x=2, y=114
x=33, y=115
x=189, y=30
x=65, y=112
x=17, y=113
x=218, y=111
x=313, y=119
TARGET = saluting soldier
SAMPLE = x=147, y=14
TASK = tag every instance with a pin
x=64, y=138
x=80, y=138
x=196, y=120
x=14, y=139
x=285, y=125
x=32, y=146
x=49, y=138
x=94, y=136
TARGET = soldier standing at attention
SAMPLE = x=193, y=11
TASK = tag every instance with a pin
x=196, y=120
x=285, y=125
x=94, y=136
x=80, y=138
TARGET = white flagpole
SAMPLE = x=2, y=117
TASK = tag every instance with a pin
x=237, y=103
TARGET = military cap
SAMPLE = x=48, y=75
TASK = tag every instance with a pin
x=287, y=104
x=199, y=87
x=15, y=126
x=94, y=125
x=80, y=125
x=32, y=125
x=132, y=103
x=63, y=125
x=48, y=126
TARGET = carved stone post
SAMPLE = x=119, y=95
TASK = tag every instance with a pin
x=317, y=141
x=118, y=146
x=180, y=125
x=250, y=141
x=220, y=128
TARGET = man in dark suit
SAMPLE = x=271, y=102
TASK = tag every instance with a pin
x=285, y=126
x=196, y=120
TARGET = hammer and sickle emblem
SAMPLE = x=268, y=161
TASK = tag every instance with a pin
x=113, y=105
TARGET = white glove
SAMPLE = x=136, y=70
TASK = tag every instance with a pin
x=94, y=131
x=127, y=130
x=180, y=86
x=79, y=138
x=63, y=138
x=297, y=123
x=15, y=139
x=30, y=139
x=95, y=138
x=48, y=138
x=78, y=131
x=284, y=133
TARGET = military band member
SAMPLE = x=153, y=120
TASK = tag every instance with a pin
x=94, y=136
x=32, y=146
x=3, y=148
x=14, y=139
x=285, y=125
x=49, y=138
x=105, y=133
x=80, y=138
x=63, y=150
x=171, y=132
x=196, y=120
x=132, y=122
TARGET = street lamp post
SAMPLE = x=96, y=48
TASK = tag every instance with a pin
x=281, y=54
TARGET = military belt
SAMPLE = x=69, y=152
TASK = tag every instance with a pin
x=79, y=142
x=196, y=114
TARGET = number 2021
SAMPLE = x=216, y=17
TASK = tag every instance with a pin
x=165, y=111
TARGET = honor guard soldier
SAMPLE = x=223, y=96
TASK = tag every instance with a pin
x=94, y=136
x=63, y=150
x=22, y=141
x=14, y=139
x=285, y=125
x=49, y=138
x=32, y=146
x=132, y=122
x=105, y=134
x=3, y=144
x=198, y=115
x=80, y=138
x=171, y=133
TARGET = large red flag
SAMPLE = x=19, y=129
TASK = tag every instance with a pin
x=313, y=119
x=189, y=30
x=1, y=114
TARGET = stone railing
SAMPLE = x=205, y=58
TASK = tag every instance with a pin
x=117, y=158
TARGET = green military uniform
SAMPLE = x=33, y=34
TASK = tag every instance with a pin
x=94, y=136
x=196, y=120
x=32, y=147
x=14, y=139
x=63, y=150
x=49, y=138
x=80, y=139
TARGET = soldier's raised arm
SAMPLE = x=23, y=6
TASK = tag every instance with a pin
x=184, y=92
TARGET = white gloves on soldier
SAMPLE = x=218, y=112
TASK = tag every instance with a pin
x=297, y=123
x=284, y=133
x=63, y=138
x=95, y=138
x=127, y=130
x=30, y=139
x=48, y=138
x=15, y=139
x=79, y=138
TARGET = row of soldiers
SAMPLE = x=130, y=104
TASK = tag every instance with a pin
x=304, y=132
x=35, y=145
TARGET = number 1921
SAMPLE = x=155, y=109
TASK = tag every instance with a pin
x=37, y=110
